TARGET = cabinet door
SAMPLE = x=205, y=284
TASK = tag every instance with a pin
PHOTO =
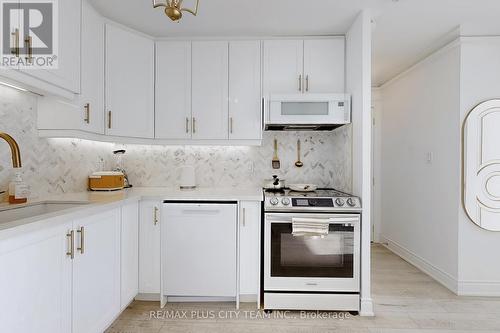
x=324, y=68
x=210, y=90
x=149, y=247
x=35, y=282
x=283, y=66
x=96, y=272
x=129, y=84
x=67, y=75
x=129, y=253
x=245, y=114
x=173, y=90
x=200, y=250
x=92, y=95
x=250, y=220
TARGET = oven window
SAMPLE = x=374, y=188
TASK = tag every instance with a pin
x=305, y=256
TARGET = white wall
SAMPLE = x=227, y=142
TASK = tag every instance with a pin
x=419, y=197
x=479, y=250
x=358, y=83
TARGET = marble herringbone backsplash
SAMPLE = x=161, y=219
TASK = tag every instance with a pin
x=326, y=158
x=62, y=165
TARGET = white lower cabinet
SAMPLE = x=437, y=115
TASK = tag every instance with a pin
x=129, y=254
x=35, y=282
x=199, y=252
x=249, y=226
x=96, y=272
x=149, y=248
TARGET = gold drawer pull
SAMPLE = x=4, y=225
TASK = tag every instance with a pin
x=15, y=34
x=71, y=237
x=87, y=113
x=28, y=42
x=82, y=240
x=156, y=216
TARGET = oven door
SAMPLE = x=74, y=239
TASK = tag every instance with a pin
x=328, y=263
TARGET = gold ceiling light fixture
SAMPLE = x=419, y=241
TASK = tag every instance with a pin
x=174, y=9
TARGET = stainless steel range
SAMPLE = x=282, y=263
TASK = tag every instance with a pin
x=311, y=250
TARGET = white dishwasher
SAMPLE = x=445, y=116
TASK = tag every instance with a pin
x=199, y=250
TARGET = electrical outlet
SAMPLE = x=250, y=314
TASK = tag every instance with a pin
x=429, y=157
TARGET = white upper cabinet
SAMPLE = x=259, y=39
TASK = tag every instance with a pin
x=304, y=66
x=67, y=75
x=91, y=100
x=129, y=84
x=210, y=90
x=283, y=66
x=324, y=65
x=173, y=90
x=245, y=115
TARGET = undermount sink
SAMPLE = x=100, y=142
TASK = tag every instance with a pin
x=13, y=213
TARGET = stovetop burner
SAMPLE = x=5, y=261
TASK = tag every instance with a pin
x=324, y=199
x=319, y=193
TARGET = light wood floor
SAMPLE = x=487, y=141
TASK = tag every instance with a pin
x=406, y=300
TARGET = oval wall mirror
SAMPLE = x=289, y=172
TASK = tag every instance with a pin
x=481, y=165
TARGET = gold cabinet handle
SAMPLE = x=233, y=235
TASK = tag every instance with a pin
x=244, y=217
x=300, y=82
x=156, y=216
x=231, y=125
x=71, y=237
x=109, y=119
x=307, y=83
x=187, y=125
x=194, y=125
x=87, y=113
x=28, y=42
x=82, y=240
x=15, y=34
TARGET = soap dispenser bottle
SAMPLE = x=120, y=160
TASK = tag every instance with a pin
x=18, y=190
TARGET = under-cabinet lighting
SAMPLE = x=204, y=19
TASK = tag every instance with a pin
x=13, y=86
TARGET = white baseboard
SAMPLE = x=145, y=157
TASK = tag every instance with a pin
x=459, y=287
x=436, y=273
x=148, y=297
x=366, y=308
x=248, y=298
x=479, y=288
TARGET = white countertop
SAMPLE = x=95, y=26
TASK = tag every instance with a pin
x=101, y=201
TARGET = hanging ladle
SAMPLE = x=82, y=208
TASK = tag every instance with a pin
x=299, y=163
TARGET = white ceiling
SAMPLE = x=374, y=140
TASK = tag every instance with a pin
x=404, y=31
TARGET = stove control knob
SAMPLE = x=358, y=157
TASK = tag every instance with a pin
x=351, y=202
x=340, y=202
x=285, y=201
x=274, y=201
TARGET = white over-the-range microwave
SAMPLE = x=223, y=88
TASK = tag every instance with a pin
x=297, y=112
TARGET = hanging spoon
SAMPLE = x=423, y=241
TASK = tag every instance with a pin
x=299, y=163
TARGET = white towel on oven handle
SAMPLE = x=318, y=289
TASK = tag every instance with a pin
x=310, y=226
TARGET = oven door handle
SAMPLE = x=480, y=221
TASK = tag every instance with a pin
x=343, y=220
x=331, y=220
